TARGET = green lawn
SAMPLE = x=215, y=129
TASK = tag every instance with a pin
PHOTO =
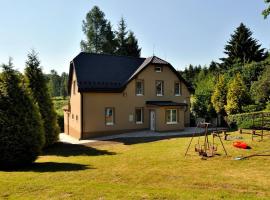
x=133, y=169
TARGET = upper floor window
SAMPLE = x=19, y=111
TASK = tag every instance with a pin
x=177, y=89
x=139, y=115
x=159, y=88
x=109, y=116
x=74, y=87
x=158, y=68
x=171, y=116
x=139, y=87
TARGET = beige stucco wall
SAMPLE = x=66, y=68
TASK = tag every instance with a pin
x=125, y=103
x=161, y=124
x=72, y=125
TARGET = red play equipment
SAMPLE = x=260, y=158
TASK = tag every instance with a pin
x=240, y=144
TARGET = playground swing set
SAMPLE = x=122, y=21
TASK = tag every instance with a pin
x=207, y=148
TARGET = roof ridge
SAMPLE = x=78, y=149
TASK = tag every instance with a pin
x=113, y=55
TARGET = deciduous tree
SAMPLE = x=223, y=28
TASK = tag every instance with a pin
x=236, y=96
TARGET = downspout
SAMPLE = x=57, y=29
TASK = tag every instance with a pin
x=81, y=115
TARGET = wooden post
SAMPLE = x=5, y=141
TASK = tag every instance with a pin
x=252, y=134
x=240, y=130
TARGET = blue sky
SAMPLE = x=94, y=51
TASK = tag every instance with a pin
x=181, y=31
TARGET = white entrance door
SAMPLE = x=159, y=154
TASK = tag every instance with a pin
x=152, y=120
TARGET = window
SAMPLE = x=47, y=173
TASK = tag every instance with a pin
x=139, y=88
x=72, y=116
x=177, y=89
x=171, y=116
x=77, y=118
x=139, y=115
x=158, y=68
x=159, y=88
x=109, y=116
x=74, y=87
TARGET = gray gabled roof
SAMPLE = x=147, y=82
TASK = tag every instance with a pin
x=109, y=73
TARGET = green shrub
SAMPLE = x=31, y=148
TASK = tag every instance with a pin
x=253, y=108
x=246, y=120
x=21, y=131
x=60, y=120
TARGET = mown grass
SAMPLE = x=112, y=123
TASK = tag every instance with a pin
x=138, y=170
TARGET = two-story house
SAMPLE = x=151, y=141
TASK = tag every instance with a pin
x=115, y=94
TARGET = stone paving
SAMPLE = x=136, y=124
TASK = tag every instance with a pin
x=185, y=133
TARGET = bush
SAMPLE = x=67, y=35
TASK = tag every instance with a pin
x=246, y=120
x=21, y=131
x=60, y=120
x=253, y=108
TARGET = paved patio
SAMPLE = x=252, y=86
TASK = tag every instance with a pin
x=138, y=134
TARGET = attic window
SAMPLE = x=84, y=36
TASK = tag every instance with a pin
x=74, y=87
x=158, y=68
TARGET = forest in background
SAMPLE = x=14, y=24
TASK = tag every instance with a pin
x=238, y=83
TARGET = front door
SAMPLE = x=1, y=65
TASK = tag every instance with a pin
x=152, y=120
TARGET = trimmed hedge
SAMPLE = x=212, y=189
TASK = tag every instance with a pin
x=252, y=120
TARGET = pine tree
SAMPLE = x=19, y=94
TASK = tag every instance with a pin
x=132, y=45
x=236, y=95
x=64, y=85
x=99, y=36
x=21, y=131
x=37, y=84
x=109, y=46
x=121, y=37
x=218, y=98
x=242, y=48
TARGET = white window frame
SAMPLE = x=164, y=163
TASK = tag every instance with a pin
x=142, y=89
x=158, y=69
x=112, y=122
x=139, y=122
x=179, y=89
x=171, y=114
x=162, y=88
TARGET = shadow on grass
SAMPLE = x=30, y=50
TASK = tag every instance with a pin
x=48, y=167
x=138, y=140
x=64, y=149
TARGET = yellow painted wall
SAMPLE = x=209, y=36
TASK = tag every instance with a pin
x=74, y=116
x=125, y=103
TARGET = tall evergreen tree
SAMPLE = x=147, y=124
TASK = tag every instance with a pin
x=110, y=43
x=99, y=36
x=243, y=48
x=121, y=37
x=218, y=98
x=64, y=85
x=54, y=83
x=236, y=95
x=37, y=84
x=132, y=45
x=21, y=131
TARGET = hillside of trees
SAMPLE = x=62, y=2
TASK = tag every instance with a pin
x=236, y=84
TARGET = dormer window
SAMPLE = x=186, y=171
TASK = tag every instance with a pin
x=158, y=68
x=139, y=88
x=177, y=89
